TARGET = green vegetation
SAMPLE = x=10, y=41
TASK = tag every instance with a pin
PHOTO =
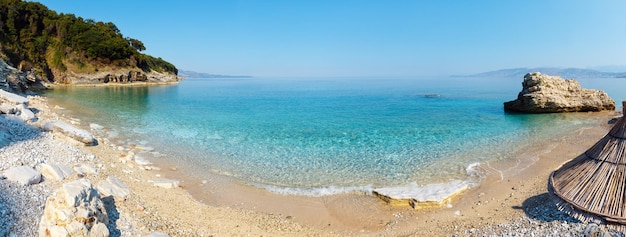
x=32, y=34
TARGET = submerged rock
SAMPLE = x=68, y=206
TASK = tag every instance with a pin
x=552, y=94
x=165, y=183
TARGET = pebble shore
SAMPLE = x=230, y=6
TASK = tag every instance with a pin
x=21, y=207
x=543, y=219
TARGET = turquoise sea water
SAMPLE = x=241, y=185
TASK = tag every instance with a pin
x=322, y=136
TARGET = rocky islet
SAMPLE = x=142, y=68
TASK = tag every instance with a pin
x=552, y=94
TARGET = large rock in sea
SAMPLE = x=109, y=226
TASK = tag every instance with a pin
x=552, y=94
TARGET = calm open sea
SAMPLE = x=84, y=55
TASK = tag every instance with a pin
x=317, y=136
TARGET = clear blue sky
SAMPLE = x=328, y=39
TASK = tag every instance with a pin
x=367, y=38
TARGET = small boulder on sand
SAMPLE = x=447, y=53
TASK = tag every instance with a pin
x=70, y=131
x=12, y=98
x=55, y=171
x=113, y=187
x=25, y=113
x=85, y=169
x=23, y=174
x=74, y=210
x=6, y=108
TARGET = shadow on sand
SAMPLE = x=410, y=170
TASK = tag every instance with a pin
x=542, y=207
x=6, y=217
x=114, y=215
x=12, y=129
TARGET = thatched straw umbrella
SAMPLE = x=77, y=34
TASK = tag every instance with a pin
x=592, y=186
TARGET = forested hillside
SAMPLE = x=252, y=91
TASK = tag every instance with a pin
x=34, y=37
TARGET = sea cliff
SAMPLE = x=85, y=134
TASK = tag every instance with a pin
x=120, y=75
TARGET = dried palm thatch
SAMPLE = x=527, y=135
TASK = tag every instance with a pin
x=592, y=186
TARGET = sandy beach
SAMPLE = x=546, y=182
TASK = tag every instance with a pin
x=512, y=200
x=312, y=118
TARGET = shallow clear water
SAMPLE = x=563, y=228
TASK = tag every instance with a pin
x=309, y=136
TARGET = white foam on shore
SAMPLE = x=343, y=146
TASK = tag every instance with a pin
x=433, y=191
x=475, y=174
x=317, y=192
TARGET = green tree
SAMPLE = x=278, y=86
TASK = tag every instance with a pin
x=28, y=30
x=136, y=44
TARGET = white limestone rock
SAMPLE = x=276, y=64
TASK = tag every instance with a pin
x=85, y=169
x=55, y=171
x=12, y=98
x=165, y=183
x=432, y=195
x=99, y=230
x=70, y=131
x=25, y=113
x=552, y=94
x=96, y=127
x=113, y=187
x=74, y=210
x=6, y=108
x=23, y=174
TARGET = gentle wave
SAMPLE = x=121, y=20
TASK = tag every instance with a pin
x=317, y=192
x=475, y=175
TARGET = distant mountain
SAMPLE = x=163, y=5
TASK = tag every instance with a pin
x=192, y=74
x=562, y=72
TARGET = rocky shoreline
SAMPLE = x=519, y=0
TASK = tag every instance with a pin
x=48, y=157
x=69, y=163
x=118, y=76
x=27, y=81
